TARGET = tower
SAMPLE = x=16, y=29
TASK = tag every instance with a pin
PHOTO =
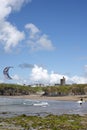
x=62, y=81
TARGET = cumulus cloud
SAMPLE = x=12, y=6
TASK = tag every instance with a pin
x=10, y=36
x=41, y=75
x=38, y=41
x=7, y=6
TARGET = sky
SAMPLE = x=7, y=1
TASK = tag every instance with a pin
x=43, y=40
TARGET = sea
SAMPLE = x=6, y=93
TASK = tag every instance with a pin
x=12, y=107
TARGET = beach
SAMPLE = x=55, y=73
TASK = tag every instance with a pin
x=60, y=98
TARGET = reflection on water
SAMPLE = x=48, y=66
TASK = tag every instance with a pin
x=26, y=106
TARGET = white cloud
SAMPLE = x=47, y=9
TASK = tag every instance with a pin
x=45, y=43
x=78, y=80
x=16, y=4
x=5, y=9
x=38, y=41
x=7, y=6
x=33, y=30
x=41, y=75
x=55, y=78
x=10, y=36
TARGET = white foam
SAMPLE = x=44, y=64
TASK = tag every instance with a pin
x=41, y=104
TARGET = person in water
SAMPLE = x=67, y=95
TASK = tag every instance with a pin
x=81, y=101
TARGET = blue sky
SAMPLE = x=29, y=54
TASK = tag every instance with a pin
x=43, y=40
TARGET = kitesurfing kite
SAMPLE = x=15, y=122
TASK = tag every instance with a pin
x=6, y=72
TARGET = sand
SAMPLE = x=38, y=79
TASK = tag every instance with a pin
x=62, y=98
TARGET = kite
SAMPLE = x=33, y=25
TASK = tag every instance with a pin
x=6, y=72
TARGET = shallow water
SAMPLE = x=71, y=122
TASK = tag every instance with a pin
x=13, y=106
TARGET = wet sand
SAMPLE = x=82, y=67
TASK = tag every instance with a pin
x=61, y=98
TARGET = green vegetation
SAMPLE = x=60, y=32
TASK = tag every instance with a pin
x=75, y=89
x=50, y=122
x=14, y=89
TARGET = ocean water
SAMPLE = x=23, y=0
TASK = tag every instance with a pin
x=14, y=106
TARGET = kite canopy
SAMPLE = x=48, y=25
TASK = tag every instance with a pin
x=6, y=72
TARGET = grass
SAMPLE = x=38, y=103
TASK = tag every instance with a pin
x=50, y=122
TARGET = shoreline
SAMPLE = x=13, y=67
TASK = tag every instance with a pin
x=40, y=97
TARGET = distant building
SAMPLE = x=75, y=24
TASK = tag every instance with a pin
x=56, y=84
x=62, y=81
